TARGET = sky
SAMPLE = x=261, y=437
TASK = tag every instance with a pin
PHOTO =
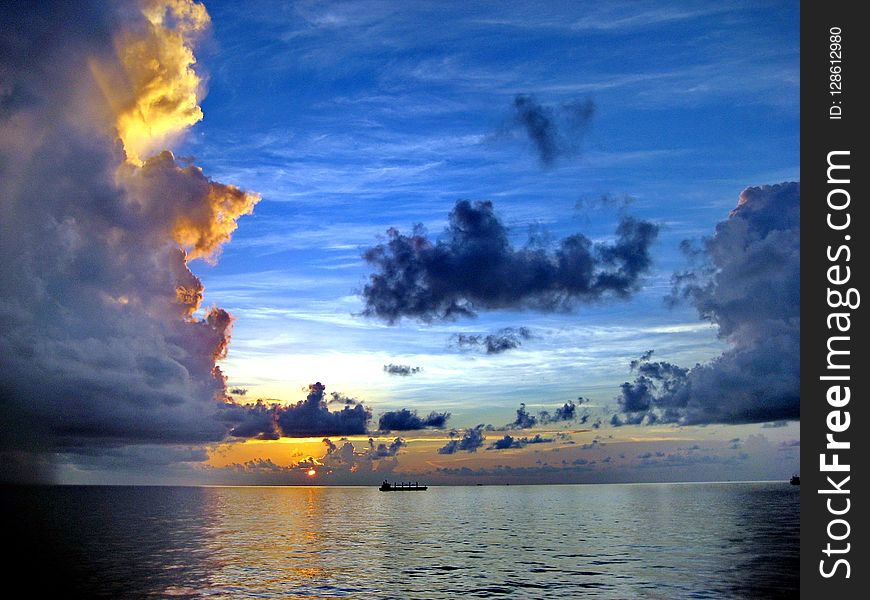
x=245, y=242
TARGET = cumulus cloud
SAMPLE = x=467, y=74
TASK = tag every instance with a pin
x=150, y=83
x=470, y=440
x=745, y=280
x=373, y=457
x=401, y=370
x=526, y=420
x=101, y=337
x=306, y=418
x=408, y=420
x=199, y=214
x=508, y=442
x=475, y=267
x=555, y=131
x=500, y=341
x=384, y=450
x=566, y=412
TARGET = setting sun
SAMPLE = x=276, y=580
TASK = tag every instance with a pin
x=312, y=472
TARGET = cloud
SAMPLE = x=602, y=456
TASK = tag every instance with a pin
x=401, y=370
x=384, y=450
x=341, y=458
x=472, y=439
x=475, y=267
x=502, y=340
x=745, y=280
x=339, y=398
x=375, y=457
x=307, y=418
x=511, y=442
x=133, y=457
x=566, y=412
x=526, y=420
x=152, y=86
x=102, y=339
x=603, y=201
x=238, y=391
x=202, y=214
x=260, y=466
x=646, y=356
x=554, y=131
x=408, y=420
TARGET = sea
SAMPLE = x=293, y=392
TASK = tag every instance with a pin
x=688, y=540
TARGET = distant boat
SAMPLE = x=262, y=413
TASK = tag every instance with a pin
x=402, y=487
x=795, y=479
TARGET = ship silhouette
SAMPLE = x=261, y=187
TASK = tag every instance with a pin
x=402, y=487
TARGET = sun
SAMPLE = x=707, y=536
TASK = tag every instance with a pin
x=312, y=472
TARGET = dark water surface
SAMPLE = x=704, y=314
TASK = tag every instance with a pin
x=722, y=540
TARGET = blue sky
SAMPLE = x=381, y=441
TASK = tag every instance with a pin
x=350, y=118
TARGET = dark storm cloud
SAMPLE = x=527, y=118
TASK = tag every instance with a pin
x=101, y=342
x=746, y=280
x=132, y=457
x=472, y=439
x=401, y=370
x=513, y=442
x=307, y=418
x=408, y=420
x=502, y=340
x=257, y=420
x=475, y=267
x=554, y=131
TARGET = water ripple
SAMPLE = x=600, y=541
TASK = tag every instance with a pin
x=621, y=541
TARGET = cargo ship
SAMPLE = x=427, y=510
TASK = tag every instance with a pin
x=402, y=487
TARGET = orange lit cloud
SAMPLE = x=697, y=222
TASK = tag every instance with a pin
x=153, y=89
x=199, y=214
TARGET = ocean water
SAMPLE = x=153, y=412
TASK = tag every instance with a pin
x=720, y=540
